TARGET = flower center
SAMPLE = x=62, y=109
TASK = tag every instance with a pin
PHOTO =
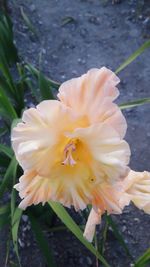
x=69, y=149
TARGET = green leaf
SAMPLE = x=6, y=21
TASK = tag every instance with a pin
x=35, y=72
x=16, y=216
x=67, y=20
x=135, y=103
x=6, y=39
x=7, y=108
x=6, y=150
x=118, y=235
x=45, y=88
x=28, y=22
x=144, y=260
x=42, y=242
x=3, y=130
x=73, y=227
x=8, y=175
x=137, y=53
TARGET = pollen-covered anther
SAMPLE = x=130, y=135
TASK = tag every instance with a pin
x=69, y=149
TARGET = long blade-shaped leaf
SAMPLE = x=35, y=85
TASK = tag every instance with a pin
x=35, y=72
x=42, y=242
x=8, y=175
x=144, y=260
x=45, y=88
x=3, y=131
x=6, y=150
x=135, y=103
x=73, y=227
x=137, y=53
x=28, y=22
x=15, y=226
x=6, y=107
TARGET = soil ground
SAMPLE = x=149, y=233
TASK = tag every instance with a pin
x=98, y=33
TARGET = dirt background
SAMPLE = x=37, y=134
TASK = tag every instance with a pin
x=99, y=34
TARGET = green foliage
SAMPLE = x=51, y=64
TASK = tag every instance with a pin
x=144, y=260
x=12, y=94
x=28, y=22
x=135, y=103
x=74, y=228
x=137, y=53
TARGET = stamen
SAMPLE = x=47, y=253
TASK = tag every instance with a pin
x=68, y=154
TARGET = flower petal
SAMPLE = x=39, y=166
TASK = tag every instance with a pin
x=33, y=189
x=137, y=186
x=93, y=219
x=79, y=93
x=34, y=140
x=110, y=154
x=91, y=95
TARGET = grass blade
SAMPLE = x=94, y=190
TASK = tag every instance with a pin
x=144, y=260
x=3, y=130
x=6, y=107
x=73, y=227
x=137, y=53
x=135, y=103
x=28, y=22
x=6, y=150
x=42, y=242
x=8, y=175
x=45, y=88
x=15, y=218
x=35, y=72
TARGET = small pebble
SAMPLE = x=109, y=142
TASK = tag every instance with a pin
x=32, y=8
x=25, y=218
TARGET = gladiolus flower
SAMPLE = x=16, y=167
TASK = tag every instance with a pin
x=68, y=149
x=72, y=151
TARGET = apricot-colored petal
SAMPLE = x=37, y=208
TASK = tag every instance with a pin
x=33, y=189
x=91, y=95
x=109, y=113
x=110, y=154
x=137, y=186
x=92, y=87
x=68, y=185
x=34, y=139
x=93, y=219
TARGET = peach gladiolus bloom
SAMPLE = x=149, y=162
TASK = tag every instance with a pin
x=68, y=149
x=72, y=151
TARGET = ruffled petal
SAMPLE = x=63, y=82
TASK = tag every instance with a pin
x=91, y=95
x=110, y=155
x=33, y=189
x=92, y=87
x=137, y=186
x=36, y=140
